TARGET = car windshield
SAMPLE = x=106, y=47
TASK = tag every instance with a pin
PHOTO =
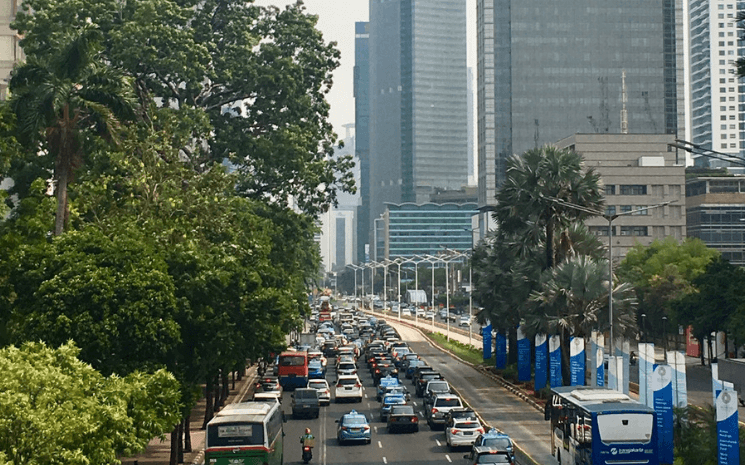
x=447, y=402
x=356, y=420
x=497, y=443
x=493, y=458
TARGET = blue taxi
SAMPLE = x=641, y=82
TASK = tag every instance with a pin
x=316, y=369
x=394, y=398
x=353, y=426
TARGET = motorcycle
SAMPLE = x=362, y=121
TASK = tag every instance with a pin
x=307, y=454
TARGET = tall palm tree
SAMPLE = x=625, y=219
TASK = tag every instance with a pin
x=61, y=100
x=537, y=183
x=573, y=300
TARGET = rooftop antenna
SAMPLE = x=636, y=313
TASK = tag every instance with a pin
x=624, y=99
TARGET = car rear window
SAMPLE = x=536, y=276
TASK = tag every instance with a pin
x=316, y=385
x=497, y=443
x=443, y=386
x=306, y=394
x=347, y=366
x=228, y=434
x=354, y=421
x=402, y=410
x=347, y=381
x=454, y=402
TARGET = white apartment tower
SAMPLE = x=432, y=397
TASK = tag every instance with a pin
x=10, y=51
x=717, y=98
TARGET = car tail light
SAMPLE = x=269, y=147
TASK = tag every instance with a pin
x=377, y=371
x=454, y=431
x=339, y=385
x=366, y=428
x=415, y=419
x=357, y=385
x=434, y=410
x=480, y=430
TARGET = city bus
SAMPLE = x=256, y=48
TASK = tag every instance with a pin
x=245, y=433
x=293, y=369
x=324, y=313
x=599, y=426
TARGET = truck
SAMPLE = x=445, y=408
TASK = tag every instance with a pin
x=324, y=314
x=733, y=370
x=306, y=339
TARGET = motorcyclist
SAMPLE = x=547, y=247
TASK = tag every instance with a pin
x=308, y=441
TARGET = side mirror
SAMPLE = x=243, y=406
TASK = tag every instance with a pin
x=336, y=421
x=465, y=456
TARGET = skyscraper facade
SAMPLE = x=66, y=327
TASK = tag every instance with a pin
x=717, y=110
x=362, y=133
x=551, y=68
x=418, y=100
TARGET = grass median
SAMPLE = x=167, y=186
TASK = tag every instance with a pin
x=469, y=353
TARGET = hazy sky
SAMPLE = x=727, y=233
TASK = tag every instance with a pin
x=336, y=20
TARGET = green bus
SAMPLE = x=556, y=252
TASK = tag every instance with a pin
x=246, y=433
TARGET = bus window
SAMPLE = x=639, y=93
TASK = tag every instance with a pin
x=230, y=434
x=625, y=427
x=289, y=361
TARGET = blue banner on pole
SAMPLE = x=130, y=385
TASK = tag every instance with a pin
x=577, y=361
x=554, y=363
x=662, y=389
x=523, y=356
x=501, y=355
x=728, y=438
x=486, y=337
x=541, y=361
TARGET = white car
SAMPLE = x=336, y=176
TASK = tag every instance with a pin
x=324, y=391
x=420, y=312
x=348, y=387
x=346, y=368
x=463, y=432
x=406, y=312
x=429, y=314
x=465, y=320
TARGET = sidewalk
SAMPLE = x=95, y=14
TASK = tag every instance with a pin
x=159, y=452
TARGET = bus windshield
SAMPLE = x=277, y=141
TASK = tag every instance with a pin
x=625, y=427
x=235, y=434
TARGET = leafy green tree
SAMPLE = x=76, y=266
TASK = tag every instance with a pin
x=716, y=300
x=64, y=99
x=111, y=295
x=538, y=184
x=260, y=75
x=56, y=409
x=662, y=273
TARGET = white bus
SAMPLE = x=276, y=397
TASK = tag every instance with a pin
x=246, y=432
x=599, y=426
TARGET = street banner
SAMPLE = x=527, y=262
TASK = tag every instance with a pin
x=577, y=361
x=541, y=361
x=646, y=361
x=716, y=385
x=486, y=338
x=501, y=351
x=554, y=363
x=677, y=362
x=597, y=349
x=612, y=374
x=662, y=389
x=523, y=356
x=728, y=437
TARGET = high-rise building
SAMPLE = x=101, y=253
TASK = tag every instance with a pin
x=548, y=69
x=10, y=51
x=362, y=133
x=717, y=113
x=418, y=100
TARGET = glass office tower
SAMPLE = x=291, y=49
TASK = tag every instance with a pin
x=418, y=100
x=548, y=69
x=362, y=132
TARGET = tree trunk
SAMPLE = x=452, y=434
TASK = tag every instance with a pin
x=549, y=244
x=701, y=352
x=210, y=408
x=225, y=387
x=708, y=343
x=187, y=433
x=180, y=448
x=173, y=460
x=62, y=179
x=233, y=373
x=566, y=372
x=217, y=393
x=512, y=353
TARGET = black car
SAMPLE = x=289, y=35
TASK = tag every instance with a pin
x=434, y=387
x=305, y=402
x=459, y=414
x=403, y=418
x=418, y=372
x=424, y=378
x=383, y=370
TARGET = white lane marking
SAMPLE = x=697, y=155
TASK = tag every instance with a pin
x=415, y=404
x=438, y=442
x=385, y=460
x=376, y=429
x=448, y=457
x=380, y=446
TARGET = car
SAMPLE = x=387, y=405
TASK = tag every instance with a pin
x=464, y=320
x=492, y=440
x=384, y=370
x=418, y=372
x=316, y=370
x=317, y=354
x=324, y=392
x=424, y=379
x=384, y=383
x=420, y=312
x=267, y=396
x=305, y=402
x=489, y=457
x=402, y=418
x=434, y=388
x=394, y=398
x=429, y=314
x=459, y=414
x=353, y=426
x=463, y=432
x=411, y=367
x=406, y=312
x=440, y=406
x=346, y=368
x=348, y=387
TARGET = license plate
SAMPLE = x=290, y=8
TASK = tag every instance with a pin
x=467, y=433
x=356, y=430
x=347, y=389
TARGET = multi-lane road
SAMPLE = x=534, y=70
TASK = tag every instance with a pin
x=497, y=406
